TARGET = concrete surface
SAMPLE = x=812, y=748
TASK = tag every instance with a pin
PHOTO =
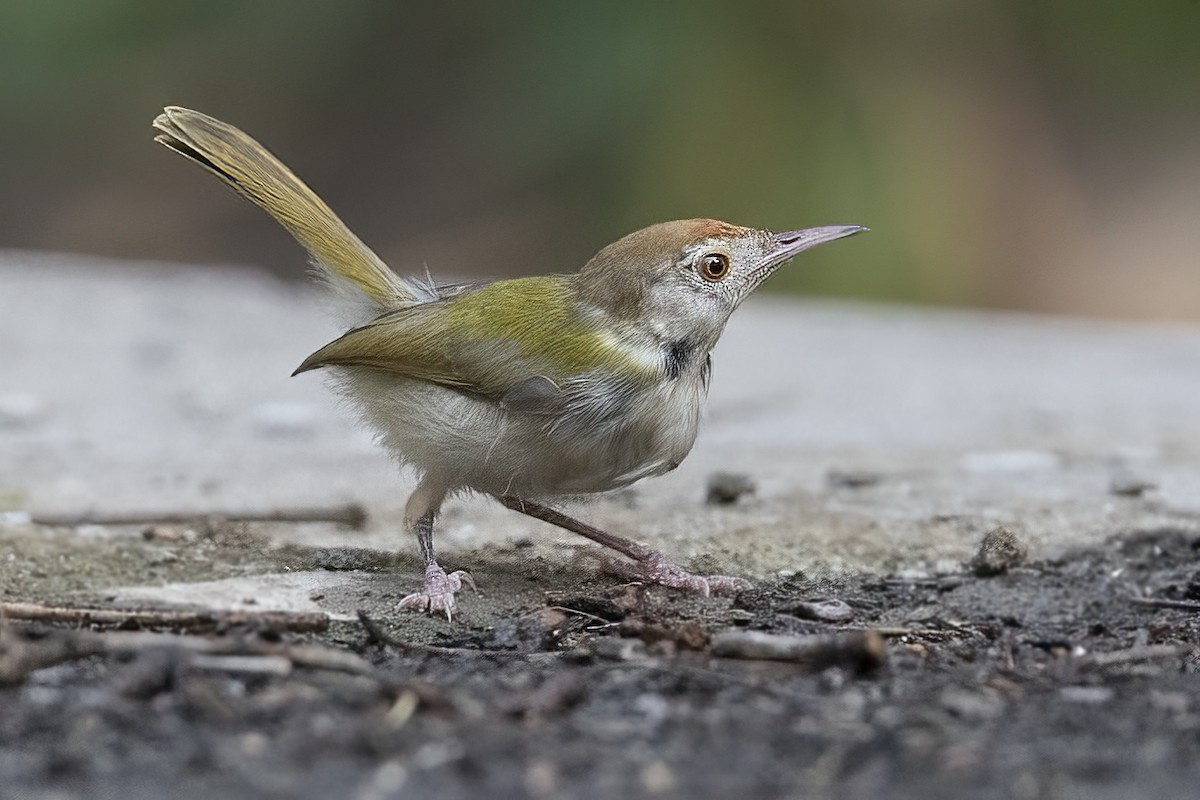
x=879, y=438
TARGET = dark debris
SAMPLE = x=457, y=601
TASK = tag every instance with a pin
x=1046, y=679
x=1000, y=551
x=726, y=488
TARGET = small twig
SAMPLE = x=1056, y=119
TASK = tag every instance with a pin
x=898, y=631
x=891, y=631
x=1158, y=602
x=862, y=650
x=823, y=610
x=279, y=666
x=302, y=655
x=1133, y=654
x=607, y=623
x=377, y=635
x=20, y=655
x=298, y=622
x=351, y=514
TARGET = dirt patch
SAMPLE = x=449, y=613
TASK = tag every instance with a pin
x=1070, y=678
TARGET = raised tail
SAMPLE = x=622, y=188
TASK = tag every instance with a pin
x=260, y=177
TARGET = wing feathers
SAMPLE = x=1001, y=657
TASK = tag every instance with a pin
x=516, y=342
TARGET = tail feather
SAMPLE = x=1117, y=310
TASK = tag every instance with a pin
x=260, y=177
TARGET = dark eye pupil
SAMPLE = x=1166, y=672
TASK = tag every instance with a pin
x=715, y=265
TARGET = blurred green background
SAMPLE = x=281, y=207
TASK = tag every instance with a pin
x=1026, y=154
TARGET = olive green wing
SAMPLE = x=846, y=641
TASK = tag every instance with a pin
x=412, y=343
x=516, y=342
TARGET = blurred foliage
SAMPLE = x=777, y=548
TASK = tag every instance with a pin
x=1023, y=154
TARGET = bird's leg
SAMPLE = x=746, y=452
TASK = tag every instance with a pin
x=649, y=564
x=437, y=594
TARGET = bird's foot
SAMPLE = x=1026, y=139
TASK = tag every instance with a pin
x=653, y=566
x=437, y=595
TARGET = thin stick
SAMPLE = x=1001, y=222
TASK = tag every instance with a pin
x=377, y=635
x=1134, y=654
x=278, y=666
x=607, y=623
x=861, y=651
x=20, y=656
x=1156, y=602
x=351, y=515
x=298, y=622
x=897, y=631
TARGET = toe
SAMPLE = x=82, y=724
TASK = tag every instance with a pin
x=619, y=567
x=437, y=595
x=442, y=604
x=726, y=584
x=464, y=577
x=417, y=601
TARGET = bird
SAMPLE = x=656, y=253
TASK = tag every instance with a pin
x=530, y=390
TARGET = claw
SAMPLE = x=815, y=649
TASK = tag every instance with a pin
x=464, y=577
x=655, y=567
x=437, y=595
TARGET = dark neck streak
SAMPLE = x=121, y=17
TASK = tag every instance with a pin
x=679, y=356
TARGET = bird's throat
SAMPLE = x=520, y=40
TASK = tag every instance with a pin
x=679, y=356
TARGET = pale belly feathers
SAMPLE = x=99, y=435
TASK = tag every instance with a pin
x=468, y=442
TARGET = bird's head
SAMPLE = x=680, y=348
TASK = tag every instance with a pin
x=681, y=280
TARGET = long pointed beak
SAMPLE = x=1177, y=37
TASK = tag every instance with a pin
x=789, y=243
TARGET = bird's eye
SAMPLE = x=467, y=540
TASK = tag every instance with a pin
x=714, y=266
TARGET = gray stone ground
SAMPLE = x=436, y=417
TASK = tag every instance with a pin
x=880, y=438
x=883, y=443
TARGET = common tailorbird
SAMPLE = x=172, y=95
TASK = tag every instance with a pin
x=528, y=389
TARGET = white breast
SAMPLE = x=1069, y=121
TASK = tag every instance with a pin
x=612, y=440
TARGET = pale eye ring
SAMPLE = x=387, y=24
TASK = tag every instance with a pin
x=713, y=266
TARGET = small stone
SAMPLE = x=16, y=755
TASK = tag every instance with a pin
x=388, y=779
x=434, y=754
x=689, y=634
x=824, y=611
x=972, y=703
x=657, y=778
x=530, y=633
x=724, y=488
x=168, y=533
x=611, y=648
x=253, y=744
x=852, y=479
x=541, y=778
x=1000, y=551
x=1131, y=487
x=341, y=559
x=1086, y=695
